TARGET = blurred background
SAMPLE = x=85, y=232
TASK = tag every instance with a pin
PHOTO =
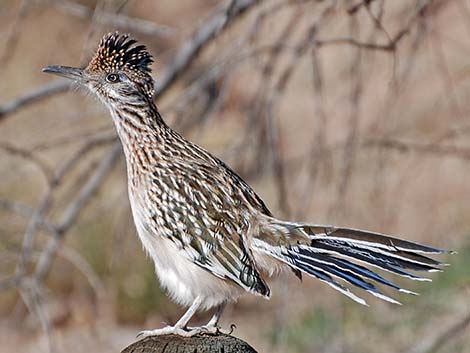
x=353, y=113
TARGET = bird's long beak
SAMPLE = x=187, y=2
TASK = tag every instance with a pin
x=72, y=73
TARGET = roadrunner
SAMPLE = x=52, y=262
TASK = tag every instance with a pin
x=209, y=234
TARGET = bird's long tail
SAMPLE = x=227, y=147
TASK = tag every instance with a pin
x=331, y=254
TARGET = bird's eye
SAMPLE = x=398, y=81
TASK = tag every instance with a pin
x=113, y=78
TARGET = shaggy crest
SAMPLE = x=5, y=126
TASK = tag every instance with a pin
x=116, y=52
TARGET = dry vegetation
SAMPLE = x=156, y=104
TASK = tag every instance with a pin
x=347, y=112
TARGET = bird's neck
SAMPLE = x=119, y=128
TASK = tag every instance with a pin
x=138, y=126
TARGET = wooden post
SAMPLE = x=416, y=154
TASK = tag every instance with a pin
x=204, y=343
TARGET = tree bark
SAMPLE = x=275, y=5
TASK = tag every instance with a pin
x=197, y=344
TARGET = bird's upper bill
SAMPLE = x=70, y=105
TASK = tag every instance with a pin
x=72, y=73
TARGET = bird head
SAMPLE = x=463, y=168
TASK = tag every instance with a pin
x=118, y=72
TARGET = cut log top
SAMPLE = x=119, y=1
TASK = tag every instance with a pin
x=197, y=344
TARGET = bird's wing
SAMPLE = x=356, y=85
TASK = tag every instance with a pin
x=204, y=212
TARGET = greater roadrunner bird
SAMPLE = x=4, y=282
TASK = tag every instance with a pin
x=209, y=234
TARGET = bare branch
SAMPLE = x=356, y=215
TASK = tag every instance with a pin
x=210, y=29
x=30, y=233
x=117, y=20
x=31, y=295
x=83, y=266
x=221, y=19
x=86, y=147
x=391, y=46
x=13, y=34
x=45, y=169
x=72, y=212
x=428, y=148
x=355, y=95
x=33, y=97
x=356, y=7
x=434, y=342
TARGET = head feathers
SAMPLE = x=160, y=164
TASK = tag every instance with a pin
x=117, y=52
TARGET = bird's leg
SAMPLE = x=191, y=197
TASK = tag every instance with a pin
x=216, y=317
x=180, y=326
x=183, y=321
x=211, y=326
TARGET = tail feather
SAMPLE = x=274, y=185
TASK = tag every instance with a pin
x=347, y=274
x=390, y=258
x=375, y=240
x=368, y=259
x=325, y=277
x=362, y=271
x=330, y=253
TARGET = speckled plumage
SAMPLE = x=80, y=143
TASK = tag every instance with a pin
x=210, y=235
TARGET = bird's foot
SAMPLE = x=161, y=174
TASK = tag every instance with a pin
x=211, y=329
x=186, y=332
x=168, y=330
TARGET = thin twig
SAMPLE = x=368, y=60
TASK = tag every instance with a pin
x=117, y=20
x=73, y=210
x=31, y=294
x=86, y=147
x=434, y=342
x=211, y=28
x=190, y=49
x=428, y=148
x=13, y=34
x=42, y=165
x=34, y=96
x=355, y=95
